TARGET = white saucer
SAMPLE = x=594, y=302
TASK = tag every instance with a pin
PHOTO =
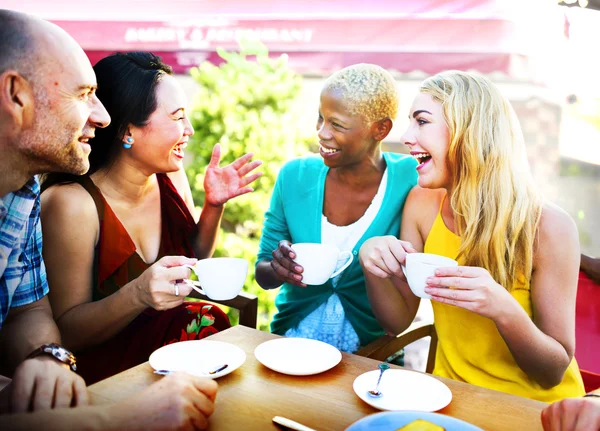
x=403, y=390
x=297, y=356
x=197, y=357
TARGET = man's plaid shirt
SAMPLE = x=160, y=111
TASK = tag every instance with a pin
x=22, y=270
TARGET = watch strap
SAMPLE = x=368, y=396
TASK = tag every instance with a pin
x=57, y=352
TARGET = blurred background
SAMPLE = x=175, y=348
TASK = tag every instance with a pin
x=253, y=72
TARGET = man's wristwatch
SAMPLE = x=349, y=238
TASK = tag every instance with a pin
x=58, y=352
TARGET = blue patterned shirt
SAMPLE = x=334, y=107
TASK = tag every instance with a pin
x=22, y=270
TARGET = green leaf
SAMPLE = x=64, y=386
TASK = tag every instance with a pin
x=193, y=327
x=207, y=320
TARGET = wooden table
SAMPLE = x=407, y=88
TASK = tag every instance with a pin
x=252, y=395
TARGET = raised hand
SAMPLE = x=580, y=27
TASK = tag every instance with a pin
x=284, y=267
x=222, y=184
x=471, y=288
x=383, y=256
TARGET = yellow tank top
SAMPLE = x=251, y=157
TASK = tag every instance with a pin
x=470, y=348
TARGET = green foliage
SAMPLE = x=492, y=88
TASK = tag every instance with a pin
x=247, y=105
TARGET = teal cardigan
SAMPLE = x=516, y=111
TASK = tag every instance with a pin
x=295, y=215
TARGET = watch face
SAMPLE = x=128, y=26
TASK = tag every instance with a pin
x=60, y=353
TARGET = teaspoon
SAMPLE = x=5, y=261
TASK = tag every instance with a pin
x=211, y=372
x=376, y=393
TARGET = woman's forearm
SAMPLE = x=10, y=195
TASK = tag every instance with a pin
x=265, y=275
x=540, y=356
x=208, y=229
x=389, y=305
x=92, y=323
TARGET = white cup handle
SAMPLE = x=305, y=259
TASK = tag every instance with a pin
x=404, y=270
x=346, y=265
x=194, y=284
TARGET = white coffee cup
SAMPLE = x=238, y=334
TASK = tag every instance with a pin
x=419, y=266
x=319, y=261
x=221, y=278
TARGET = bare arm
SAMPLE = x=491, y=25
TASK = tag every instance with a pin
x=220, y=185
x=393, y=303
x=208, y=230
x=40, y=383
x=81, y=418
x=25, y=329
x=544, y=347
x=182, y=185
x=69, y=256
x=178, y=401
x=205, y=238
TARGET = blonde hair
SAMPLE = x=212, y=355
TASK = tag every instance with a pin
x=497, y=208
x=368, y=90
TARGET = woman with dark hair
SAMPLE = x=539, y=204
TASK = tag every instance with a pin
x=117, y=278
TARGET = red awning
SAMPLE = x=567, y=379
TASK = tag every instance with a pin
x=401, y=35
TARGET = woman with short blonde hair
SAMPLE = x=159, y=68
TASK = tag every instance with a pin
x=350, y=191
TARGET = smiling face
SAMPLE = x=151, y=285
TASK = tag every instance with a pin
x=344, y=139
x=66, y=111
x=160, y=143
x=428, y=139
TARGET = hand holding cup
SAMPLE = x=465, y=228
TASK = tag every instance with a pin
x=383, y=256
x=319, y=261
x=221, y=278
x=284, y=266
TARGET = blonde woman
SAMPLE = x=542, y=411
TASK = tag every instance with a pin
x=505, y=316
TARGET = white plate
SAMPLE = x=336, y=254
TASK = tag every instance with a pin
x=197, y=357
x=403, y=390
x=297, y=356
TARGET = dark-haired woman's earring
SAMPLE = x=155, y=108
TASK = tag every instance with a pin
x=128, y=143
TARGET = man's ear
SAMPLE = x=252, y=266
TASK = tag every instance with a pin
x=16, y=98
x=381, y=129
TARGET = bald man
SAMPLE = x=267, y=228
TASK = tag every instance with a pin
x=48, y=112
